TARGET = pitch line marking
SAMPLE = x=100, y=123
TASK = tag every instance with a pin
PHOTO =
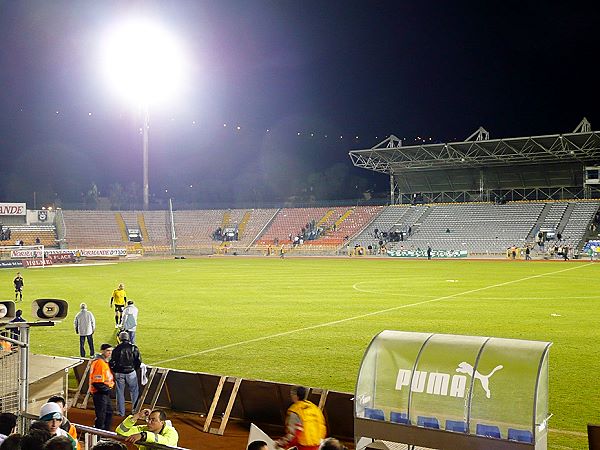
x=362, y=316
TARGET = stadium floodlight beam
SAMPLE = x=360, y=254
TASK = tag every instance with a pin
x=145, y=63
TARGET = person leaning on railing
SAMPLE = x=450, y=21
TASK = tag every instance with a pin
x=157, y=429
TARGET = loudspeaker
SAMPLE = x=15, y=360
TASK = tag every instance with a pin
x=7, y=311
x=51, y=309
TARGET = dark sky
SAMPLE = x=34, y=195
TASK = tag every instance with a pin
x=361, y=70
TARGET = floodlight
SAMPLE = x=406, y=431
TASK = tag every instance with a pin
x=143, y=61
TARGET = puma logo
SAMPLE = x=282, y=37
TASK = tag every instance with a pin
x=468, y=369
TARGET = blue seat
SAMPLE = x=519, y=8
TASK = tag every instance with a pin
x=399, y=417
x=488, y=431
x=375, y=414
x=456, y=425
x=520, y=435
x=428, y=422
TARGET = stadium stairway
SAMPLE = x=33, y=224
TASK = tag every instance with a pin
x=122, y=226
x=142, y=224
x=566, y=216
x=226, y=219
x=243, y=223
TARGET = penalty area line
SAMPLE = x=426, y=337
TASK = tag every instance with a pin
x=362, y=316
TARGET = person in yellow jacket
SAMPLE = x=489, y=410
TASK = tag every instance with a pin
x=157, y=430
x=118, y=297
x=305, y=423
x=101, y=382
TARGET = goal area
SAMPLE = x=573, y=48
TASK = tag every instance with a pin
x=22, y=256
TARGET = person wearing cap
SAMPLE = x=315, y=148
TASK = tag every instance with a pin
x=85, y=325
x=305, y=423
x=101, y=382
x=119, y=297
x=124, y=362
x=66, y=423
x=129, y=322
x=157, y=430
x=51, y=414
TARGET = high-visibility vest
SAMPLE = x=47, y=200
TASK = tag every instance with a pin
x=313, y=422
x=100, y=373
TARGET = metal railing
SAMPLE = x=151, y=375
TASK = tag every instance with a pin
x=92, y=435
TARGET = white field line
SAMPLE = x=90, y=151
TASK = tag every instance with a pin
x=362, y=316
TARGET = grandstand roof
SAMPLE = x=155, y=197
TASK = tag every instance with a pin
x=390, y=157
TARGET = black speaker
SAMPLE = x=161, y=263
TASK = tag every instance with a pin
x=7, y=311
x=50, y=309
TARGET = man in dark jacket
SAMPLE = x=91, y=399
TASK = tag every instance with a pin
x=124, y=362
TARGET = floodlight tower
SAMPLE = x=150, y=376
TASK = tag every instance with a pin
x=146, y=64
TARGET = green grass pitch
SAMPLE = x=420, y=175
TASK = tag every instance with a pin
x=309, y=320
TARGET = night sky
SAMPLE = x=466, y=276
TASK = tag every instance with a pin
x=305, y=81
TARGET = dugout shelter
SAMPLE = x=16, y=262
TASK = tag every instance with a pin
x=548, y=167
x=452, y=392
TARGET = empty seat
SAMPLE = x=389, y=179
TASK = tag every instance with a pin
x=520, y=435
x=375, y=414
x=399, y=417
x=428, y=422
x=488, y=431
x=456, y=425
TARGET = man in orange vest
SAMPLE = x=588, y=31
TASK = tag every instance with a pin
x=101, y=383
x=305, y=424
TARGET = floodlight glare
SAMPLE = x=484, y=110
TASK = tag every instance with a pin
x=143, y=61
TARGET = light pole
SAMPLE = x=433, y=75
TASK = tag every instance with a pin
x=145, y=154
x=146, y=63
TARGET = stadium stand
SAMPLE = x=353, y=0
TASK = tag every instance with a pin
x=93, y=229
x=477, y=227
x=389, y=217
x=480, y=228
x=29, y=233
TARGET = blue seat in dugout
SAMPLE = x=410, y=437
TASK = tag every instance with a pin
x=428, y=422
x=399, y=417
x=375, y=414
x=456, y=425
x=520, y=435
x=488, y=431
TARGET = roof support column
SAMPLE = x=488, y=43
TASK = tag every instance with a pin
x=392, y=189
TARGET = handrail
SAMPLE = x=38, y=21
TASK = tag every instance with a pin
x=112, y=435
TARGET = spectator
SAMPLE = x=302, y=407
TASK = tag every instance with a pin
x=124, y=362
x=85, y=325
x=109, y=444
x=258, y=445
x=37, y=436
x=101, y=382
x=305, y=424
x=12, y=442
x=119, y=297
x=8, y=422
x=331, y=444
x=51, y=413
x=37, y=241
x=66, y=424
x=129, y=321
x=58, y=443
x=157, y=429
x=16, y=332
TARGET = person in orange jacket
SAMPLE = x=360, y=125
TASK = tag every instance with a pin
x=101, y=382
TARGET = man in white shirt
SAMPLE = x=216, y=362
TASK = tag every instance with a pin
x=129, y=321
x=85, y=325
